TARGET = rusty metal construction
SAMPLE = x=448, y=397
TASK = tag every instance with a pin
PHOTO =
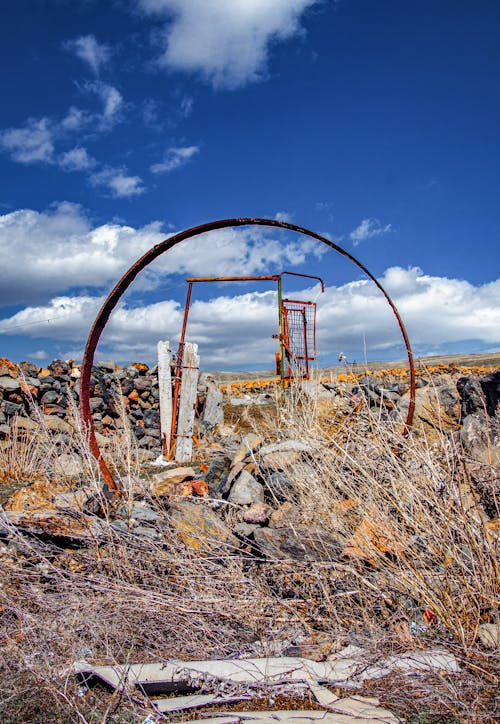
x=283, y=336
x=129, y=276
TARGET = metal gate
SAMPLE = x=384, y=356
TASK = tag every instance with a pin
x=299, y=336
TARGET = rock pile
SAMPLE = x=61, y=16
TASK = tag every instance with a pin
x=26, y=391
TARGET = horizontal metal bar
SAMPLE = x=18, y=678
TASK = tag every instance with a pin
x=299, y=301
x=307, y=276
x=267, y=278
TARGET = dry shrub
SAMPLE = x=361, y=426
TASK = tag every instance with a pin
x=404, y=510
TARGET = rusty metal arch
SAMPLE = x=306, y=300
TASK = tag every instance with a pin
x=129, y=276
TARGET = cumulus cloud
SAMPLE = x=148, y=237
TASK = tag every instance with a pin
x=237, y=330
x=368, y=229
x=47, y=253
x=90, y=51
x=118, y=182
x=77, y=159
x=175, y=157
x=33, y=143
x=227, y=43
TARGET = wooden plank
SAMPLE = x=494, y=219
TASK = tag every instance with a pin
x=213, y=413
x=185, y=420
x=165, y=392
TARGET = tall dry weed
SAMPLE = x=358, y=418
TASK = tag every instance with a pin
x=407, y=561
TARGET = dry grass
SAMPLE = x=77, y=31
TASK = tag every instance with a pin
x=420, y=545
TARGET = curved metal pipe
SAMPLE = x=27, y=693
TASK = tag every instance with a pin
x=122, y=285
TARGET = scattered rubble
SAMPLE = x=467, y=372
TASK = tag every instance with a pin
x=246, y=676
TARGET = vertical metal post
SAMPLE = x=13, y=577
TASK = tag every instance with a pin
x=280, y=332
x=306, y=355
x=178, y=373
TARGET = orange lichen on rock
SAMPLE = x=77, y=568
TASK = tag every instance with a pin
x=370, y=539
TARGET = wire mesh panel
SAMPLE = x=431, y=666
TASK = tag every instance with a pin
x=299, y=332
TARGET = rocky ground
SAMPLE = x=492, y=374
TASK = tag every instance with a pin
x=305, y=523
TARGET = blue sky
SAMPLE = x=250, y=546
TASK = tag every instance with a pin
x=373, y=122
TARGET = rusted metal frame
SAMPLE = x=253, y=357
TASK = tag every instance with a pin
x=281, y=333
x=264, y=278
x=307, y=276
x=129, y=276
x=304, y=304
x=285, y=343
x=306, y=358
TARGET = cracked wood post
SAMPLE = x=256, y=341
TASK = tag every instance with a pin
x=185, y=418
x=165, y=394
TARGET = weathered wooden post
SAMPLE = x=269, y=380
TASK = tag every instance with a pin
x=165, y=394
x=185, y=418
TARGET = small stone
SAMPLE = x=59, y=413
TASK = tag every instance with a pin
x=199, y=527
x=302, y=544
x=283, y=516
x=279, y=486
x=257, y=513
x=106, y=365
x=75, y=499
x=315, y=647
x=141, y=368
x=11, y=408
x=199, y=487
x=152, y=419
x=245, y=530
x=49, y=397
x=29, y=390
x=217, y=472
x=146, y=532
x=8, y=368
x=9, y=384
x=489, y=635
x=139, y=512
x=163, y=482
x=56, y=424
x=25, y=423
x=51, y=409
x=121, y=525
x=59, y=368
x=70, y=465
x=281, y=454
x=246, y=490
x=248, y=444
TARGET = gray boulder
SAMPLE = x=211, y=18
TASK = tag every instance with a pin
x=246, y=490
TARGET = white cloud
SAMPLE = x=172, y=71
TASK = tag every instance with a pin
x=368, y=229
x=47, y=253
x=77, y=159
x=34, y=143
x=118, y=182
x=284, y=216
x=38, y=354
x=90, y=51
x=175, y=157
x=112, y=101
x=75, y=119
x=226, y=42
x=237, y=330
